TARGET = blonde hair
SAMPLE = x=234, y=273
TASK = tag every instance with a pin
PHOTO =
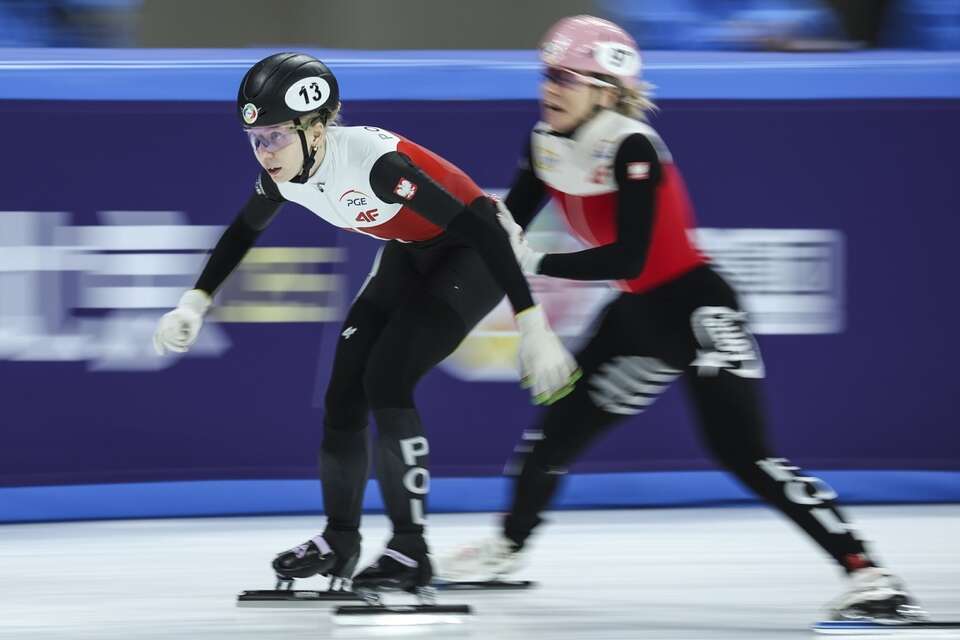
x=634, y=102
x=329, y=117
x=333, y=117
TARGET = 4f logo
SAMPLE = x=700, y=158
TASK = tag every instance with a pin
x=405, y=189
x=367, y=216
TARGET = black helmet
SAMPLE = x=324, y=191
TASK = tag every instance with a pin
x=286, y=86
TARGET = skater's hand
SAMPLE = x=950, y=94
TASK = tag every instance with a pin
x=546, y=367
x=178, y=329
x=527, y=258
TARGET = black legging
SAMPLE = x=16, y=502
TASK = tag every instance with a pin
x=418, y=304
x=691, y=327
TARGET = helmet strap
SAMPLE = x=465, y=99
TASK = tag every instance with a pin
x=308, y=155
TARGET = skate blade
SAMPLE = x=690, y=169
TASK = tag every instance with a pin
x=283, y=598
x=866, y=628
x=483, y=585
x=401, y=615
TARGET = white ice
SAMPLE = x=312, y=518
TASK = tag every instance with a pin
x=686, y=574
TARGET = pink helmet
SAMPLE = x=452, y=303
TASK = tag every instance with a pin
x=592, y=45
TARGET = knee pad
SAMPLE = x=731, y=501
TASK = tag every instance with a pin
x=387, y=387
x=342, y=414
x=343, y=441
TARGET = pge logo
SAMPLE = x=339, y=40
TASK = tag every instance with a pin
x=359, y=200
x=354, y=198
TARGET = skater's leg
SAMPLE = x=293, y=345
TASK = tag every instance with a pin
x=344, y=453
x=621, y=378
x=455, y=291
x=729, y=407
x=621, y=386
x=567, y=428
x=623, y=374
x=726, y=394
x=418, y=336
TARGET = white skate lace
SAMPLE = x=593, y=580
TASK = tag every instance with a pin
x=405, y=560
x=322, y=545
x=301, y=549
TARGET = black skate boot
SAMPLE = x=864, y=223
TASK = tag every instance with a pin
x=333, y=553
x=403, y=566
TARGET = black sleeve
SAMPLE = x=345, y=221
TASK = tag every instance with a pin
x=526, y=195
x=637, y=171
x=474, y=223
x=242, y=233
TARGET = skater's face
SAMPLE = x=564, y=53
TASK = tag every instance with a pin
x=568, y=98
x=278, y=148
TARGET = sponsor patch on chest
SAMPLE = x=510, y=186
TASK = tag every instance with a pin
x=360, y=206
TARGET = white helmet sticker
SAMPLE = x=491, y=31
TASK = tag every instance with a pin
x=616, y=58
x=250, y=113
x=307, y=94
x=553, y=50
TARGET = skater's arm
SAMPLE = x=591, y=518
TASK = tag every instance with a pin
x=260, y=209
x=527, y=193
x=178, y=329
x=474, y=223
x=637, y=171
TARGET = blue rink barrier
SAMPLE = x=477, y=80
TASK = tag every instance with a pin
x=451, y=495
x=214, y=74
x=783, y=110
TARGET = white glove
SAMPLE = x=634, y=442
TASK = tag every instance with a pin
x=545, y=364
x=178, y=329
x=527, y=258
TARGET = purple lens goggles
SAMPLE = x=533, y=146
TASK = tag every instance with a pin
x=271, y=138
x=568, y=78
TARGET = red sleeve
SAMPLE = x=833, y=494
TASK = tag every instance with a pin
x=445, y=173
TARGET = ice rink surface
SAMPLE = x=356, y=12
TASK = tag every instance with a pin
x=681, y=574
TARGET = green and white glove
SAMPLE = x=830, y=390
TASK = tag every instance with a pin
x=546, y=367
